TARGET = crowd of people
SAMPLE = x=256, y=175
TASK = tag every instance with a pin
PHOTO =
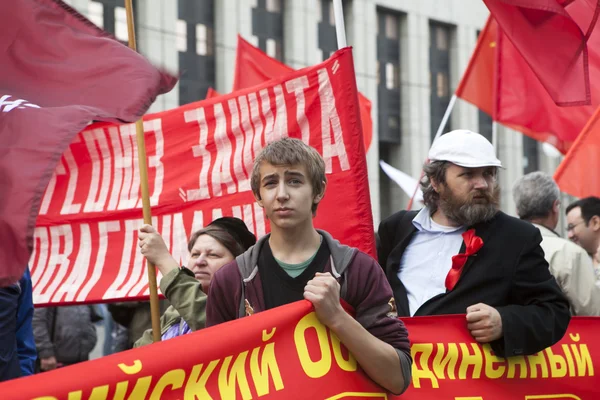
x=515, y=279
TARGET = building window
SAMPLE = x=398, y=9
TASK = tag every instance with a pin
x=326, y=35
x=267, y=27
x=96, y=13
x=121, y=24
x=388, y=75
x=531, y=161
x=196, y=47
x=439, y=67
x=111, y=16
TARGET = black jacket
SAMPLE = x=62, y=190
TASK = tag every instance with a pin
x=508, y=273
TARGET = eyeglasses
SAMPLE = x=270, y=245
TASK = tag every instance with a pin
x=570, y=227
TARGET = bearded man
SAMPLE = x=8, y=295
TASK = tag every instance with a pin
x=461, y=255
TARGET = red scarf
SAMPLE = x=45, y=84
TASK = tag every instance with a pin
x=472, y=245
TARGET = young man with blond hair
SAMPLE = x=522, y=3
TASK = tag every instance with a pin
x=296, y=261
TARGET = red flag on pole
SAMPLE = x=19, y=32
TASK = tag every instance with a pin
x=477, y=83
x=58, y=72
x=518, y=99
x=577, y=173
x=253, y=67
x=553, y=42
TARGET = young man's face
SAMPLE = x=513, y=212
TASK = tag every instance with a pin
x=286, y=194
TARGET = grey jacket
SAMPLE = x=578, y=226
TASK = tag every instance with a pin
x=67, y=333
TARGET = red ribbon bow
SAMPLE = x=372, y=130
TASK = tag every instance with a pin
x=472, y=245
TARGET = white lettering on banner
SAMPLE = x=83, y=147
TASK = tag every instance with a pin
x=275, y=128
x=64, y=256
x=60, y=170
x=131, y=185
x=101, y=170
x=61, y=234
x=256, y=120
x=217, y=213
x=104, y=228
x=330, y=120
x=221, y=173
x=119, y=167
x=80, y=269
x=155, y=160
x=132, y=268
x=6, y=105
x=248, y=134
x=241, y=174
x=297, y=86
x=72, y=170
x=40, y=250
x=197, y=115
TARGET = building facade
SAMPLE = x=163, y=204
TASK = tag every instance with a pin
x=409, y=57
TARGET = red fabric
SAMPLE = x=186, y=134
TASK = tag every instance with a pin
x=57, y=73
x=521, y=102
x=200, y=160
x=477, y=83
x=577, y=174
x=472, y=245
x=210, y=93
x=286, y=353
x=253, y=67
x=552, y=41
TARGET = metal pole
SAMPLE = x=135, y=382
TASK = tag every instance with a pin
x=437, y=135
x=445, y=118
x=495, y=136
x=340, y=29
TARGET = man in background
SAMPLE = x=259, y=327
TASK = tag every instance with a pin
x=536, y=196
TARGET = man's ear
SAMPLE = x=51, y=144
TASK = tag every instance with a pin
x=556, y=206
x=319, y=196
x=435, y=185
x=594, y=223
x=258, y=199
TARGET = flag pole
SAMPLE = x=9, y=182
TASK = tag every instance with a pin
x=495, y=136
x=437, y=135
x=340, y=29
x=141, y=147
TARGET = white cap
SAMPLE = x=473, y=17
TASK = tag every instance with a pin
x=464, y=148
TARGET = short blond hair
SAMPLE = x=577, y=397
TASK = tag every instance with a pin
x=289, y=151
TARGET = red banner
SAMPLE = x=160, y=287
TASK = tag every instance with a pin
x=200, y=161
x=285, y=353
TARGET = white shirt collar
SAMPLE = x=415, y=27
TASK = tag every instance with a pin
x=423, y=222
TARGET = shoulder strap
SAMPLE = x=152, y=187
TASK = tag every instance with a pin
x=242, y=307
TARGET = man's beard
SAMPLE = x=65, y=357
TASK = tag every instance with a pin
x=471, y=211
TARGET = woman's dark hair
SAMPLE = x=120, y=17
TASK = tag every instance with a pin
x=231, y=232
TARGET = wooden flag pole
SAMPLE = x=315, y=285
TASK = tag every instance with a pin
x=141, y=147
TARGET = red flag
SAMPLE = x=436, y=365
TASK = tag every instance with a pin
x=519, y=100
x=253, y=67
x=553, y=42
x=58, y=72
x=210, y=93
x=577, y=174
x=477, y=83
